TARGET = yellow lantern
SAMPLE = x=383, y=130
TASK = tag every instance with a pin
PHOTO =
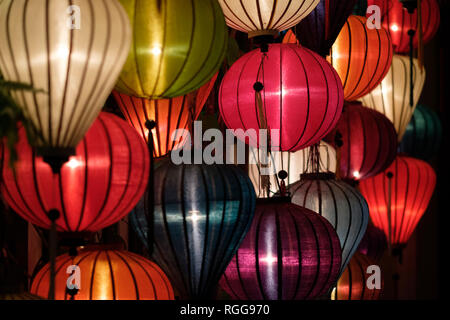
x=392, y=96
x=178, y=46
x=265, y=17
x=72, y=52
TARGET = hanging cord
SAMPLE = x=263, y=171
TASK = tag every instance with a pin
x=420, y=52
x=150, y=124
x=411, y=67
x=338, y=142
x=389, y=175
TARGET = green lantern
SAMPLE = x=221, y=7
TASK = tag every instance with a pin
x=178, y=45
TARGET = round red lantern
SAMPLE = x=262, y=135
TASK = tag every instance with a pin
x=352, y=285
x=169, y=115
x=96, y=188
x=402, y=192
x=289, y=253
x=398, y=21
x=369, y=142
x=289, y=90
x=361, y=57
x=105, y=274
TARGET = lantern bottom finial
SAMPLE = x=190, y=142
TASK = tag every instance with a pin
x=55, y=157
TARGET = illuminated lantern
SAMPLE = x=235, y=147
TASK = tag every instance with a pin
x=392, y=96
x=265, y=170
x=342, y=205
x=265, y=17
x=320, y=28
x=75, y=67
x=201, y=215
x=289, y=253
x=96, y=188
x=169, y=115
x=105, y=274
x=290, y=37
x=361, y=56
x=177, y=47
x=423, y=134
x=412, y=183
x=374, y=243
x=353, y=284
x=398, y=21
x=369, y=142
x=290, y=90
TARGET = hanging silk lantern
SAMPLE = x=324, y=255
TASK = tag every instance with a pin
x=352, y=285
x=392, y=96
x=369, y=142
x=201, y=215
x=177, y=47
x=73, y=59
x=289, y=253
x=411, y=184
x=169, y=115
x=290, y=37
x=398, y=21
x=339, y=203
x=265, y=17
x=263, y=171
x=105, y=274
x=361, y=56
x=289, y=90
x=423, y=134
x=96, y=188
x=374, y=243
x=320, y=28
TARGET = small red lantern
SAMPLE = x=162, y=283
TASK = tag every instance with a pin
x=288, y=88
x=96, y=188
x=398, y=21
x=407, y=185
x=105, y=274
x=369, y=142
x=374, y=243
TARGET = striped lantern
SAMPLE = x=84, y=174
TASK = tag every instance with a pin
x=105, y=274
x=339, y=203
x=411, y=184
x=369, y=142
x=361, y=56
x=177, y=47
x=265, y=17
x=392, y=96
x=423, y=134
x=289, y=253
x=353, y=283
x=290, y=90
x=374, y=243
x=169, y=115
x=71, y=52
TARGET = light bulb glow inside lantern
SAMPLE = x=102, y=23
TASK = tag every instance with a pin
x=156, y=50
x=269, y=259
x=356, y=174
x=74, y=163
x=394, y=28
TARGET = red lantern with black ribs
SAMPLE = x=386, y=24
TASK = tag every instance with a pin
x=96, y=188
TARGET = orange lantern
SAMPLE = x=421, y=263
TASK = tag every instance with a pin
x=169, y=115
x=361, y=56
x=105, y=274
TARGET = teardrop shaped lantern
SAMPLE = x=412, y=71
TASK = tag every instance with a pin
x=96, y=188
x=264, y=171
x=411, y=184
x=361, y=56
x=423, y=134
x=265, y=17
x=339, y=203
x=353, y=283
x=169, y=115
x=291, y=91
x=177, y=47
x=201, y=215
x=369, y=142
x=72, y=54
x=398, y=21
x=105, y=274
x=289, y=253
x=392, y=96
x=374, y=243
x=320, y=28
